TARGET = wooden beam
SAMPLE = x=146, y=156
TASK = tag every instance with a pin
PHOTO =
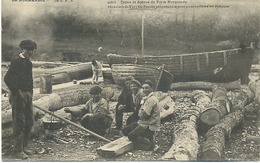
x=116, y=147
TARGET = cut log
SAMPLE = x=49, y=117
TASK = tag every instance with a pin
x=213, y=147
x=115, y=148
x=218, y=107
x=68, y=73
x=204, y=85
x=185, y=138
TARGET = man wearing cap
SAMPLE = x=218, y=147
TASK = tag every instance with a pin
x=142, y=132
x=95, y=115
x=137, y=96
x=124, y=103
x=19, y=80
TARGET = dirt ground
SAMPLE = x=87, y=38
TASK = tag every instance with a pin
x=75, y=145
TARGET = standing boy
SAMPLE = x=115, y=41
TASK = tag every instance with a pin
x=19, y=80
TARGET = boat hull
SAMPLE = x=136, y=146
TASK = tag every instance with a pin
x=142, y=73
x=217, y=66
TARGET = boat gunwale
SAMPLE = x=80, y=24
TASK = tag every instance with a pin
x=190, y=54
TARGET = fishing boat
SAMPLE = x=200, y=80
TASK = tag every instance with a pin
x=216, y=66
x=161, y=78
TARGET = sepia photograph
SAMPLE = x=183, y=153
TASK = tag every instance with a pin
x=130, y=80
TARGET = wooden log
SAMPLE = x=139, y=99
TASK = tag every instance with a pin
x=218, y=107
x=116, y=147
x=68, y=73
x=213, y=147
x=201, y=99
x=185, y=140
x=204, y=85
x=255, y=88
x=55, y=101
x=46, y=84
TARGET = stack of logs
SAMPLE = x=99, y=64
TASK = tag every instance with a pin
x=215, y=112
x=218, y=115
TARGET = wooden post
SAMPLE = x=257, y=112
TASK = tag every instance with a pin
x=46, y=84
x=143, y=36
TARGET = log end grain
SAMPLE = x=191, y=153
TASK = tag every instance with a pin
x=210, y=117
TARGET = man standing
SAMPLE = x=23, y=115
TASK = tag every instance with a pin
x=142, y=132
x=19, y=80
x=95, y=116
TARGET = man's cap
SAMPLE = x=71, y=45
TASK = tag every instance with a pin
x=129, y=78
x=136, y=82
x=149, y=82
x=28, y=45
x=95, y=90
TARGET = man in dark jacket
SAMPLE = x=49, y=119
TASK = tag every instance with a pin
x=19, y=80
x=124, y=103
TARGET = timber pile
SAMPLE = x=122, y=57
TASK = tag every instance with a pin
x=213, y=147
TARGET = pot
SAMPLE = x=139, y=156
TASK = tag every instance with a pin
x=51, y=123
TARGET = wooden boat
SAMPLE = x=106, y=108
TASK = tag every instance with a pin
x=161, y=78
x=216, y=66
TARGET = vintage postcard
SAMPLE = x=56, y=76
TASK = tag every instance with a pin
x=130, y=80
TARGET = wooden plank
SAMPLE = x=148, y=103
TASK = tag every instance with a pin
x=116, y=147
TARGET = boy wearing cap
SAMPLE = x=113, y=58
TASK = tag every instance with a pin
x=19, y=80
x=95, y=116
x=142, y=132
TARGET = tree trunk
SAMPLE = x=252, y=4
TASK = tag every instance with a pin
x=204, y=85
x=202, y=99
x=218, y=107
x=185, y=138
x=213, y=147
